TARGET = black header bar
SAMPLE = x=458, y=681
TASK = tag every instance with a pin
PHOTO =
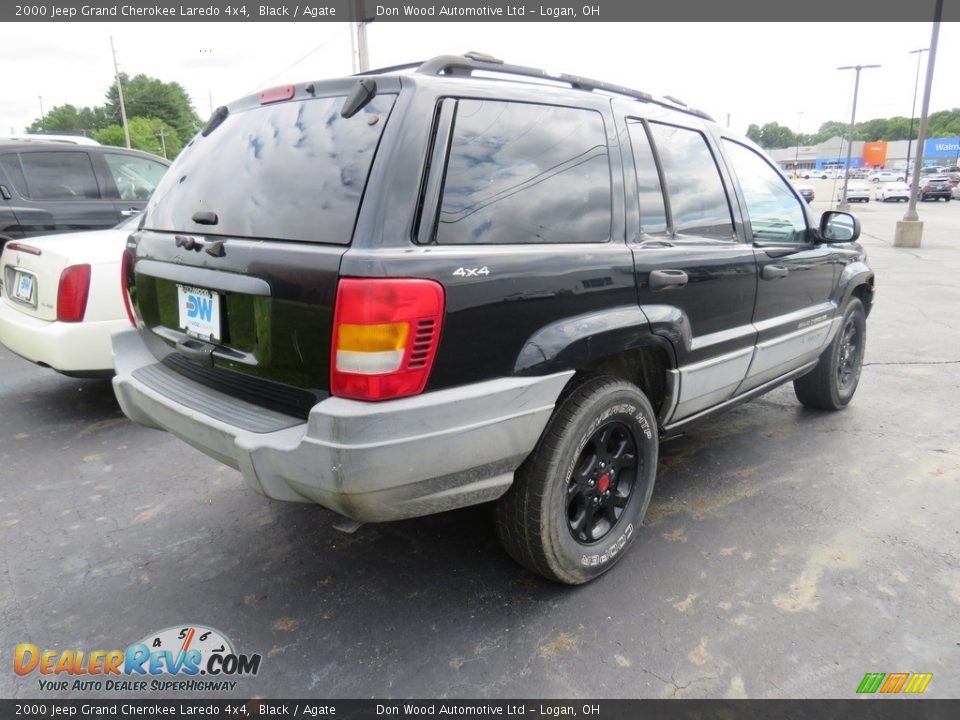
x=859, y=11
x=872, y=709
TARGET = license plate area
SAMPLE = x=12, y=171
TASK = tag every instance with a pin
x=199, y=312
x=25, y=288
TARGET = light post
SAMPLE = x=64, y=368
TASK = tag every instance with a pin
x=796, y=159
x=909, y=231
x=43, y=119
x=844, y=205
x=913, y=108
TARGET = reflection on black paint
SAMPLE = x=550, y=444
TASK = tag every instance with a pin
x=523, y=173
x=290, y=171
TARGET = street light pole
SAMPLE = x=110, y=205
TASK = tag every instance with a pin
x=913, y=108
x=796, y=159
x=43, y=119
x=844, y=205
x=909, y=231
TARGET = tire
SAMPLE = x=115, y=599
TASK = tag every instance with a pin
x=559, y=518
x=832, y=383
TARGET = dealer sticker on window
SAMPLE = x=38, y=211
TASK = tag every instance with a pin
x=199, y=312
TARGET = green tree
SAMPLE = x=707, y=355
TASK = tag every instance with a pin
x=148, y=97
x=150, y=134
x=771, y=135
x=830, y=129
x=71, y=120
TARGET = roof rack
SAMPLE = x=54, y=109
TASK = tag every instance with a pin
x=468, y=63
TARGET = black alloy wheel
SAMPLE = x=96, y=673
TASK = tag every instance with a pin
x=602, y=481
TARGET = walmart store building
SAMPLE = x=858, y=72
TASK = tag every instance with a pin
x=893, y=154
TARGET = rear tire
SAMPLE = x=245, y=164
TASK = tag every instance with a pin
x=832, y=383
x=577, y=501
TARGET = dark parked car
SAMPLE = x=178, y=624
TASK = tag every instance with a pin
x=402, y=293
x=49, y=187
x=935, y=188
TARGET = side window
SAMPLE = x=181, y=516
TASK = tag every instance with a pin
x=59, y=176
x=776, y=215
x=135, y=177
x=698, y=201
x=524, y=173
x=653, y=214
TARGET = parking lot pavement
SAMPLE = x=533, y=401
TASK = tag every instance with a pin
x=786, y=552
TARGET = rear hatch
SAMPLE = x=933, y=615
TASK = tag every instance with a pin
x=238, y=259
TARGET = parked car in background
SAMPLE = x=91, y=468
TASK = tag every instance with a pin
x=61, y=299
x=49, y=187
x=806, y=192
x=892, y=191
x=878, y=176
x=936, y=187
x=813, y=173
x=856, y=192
x=932, y=170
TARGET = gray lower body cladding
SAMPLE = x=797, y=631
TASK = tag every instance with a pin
x=368, y=461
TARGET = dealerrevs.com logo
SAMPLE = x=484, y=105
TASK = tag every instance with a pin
x=175, y=659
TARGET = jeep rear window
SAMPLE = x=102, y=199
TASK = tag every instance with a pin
x=525, y=173
x=286, y=171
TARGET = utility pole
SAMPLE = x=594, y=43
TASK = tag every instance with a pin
x=210, y=99
x=123, y=110
x=913, y=108
x=909, y=231
x=163, y=142
x=844, y=205
x=363, y=50
x=43, y=119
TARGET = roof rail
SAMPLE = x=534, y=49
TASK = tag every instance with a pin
x=389, y=69
x=467, y=64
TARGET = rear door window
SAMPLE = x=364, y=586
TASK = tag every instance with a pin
x=698, y=200
x=523, y=173
x=288, y=171
x=59, y=176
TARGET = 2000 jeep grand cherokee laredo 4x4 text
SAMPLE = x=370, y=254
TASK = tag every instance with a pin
x=406, y=292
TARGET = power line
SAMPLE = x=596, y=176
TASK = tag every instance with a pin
x=293, y=64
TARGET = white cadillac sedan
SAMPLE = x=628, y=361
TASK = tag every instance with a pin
x=61, y=299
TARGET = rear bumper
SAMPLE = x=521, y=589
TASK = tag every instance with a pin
x=368, y=461
x=68, y=347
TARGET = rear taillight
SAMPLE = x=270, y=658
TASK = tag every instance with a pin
x=72, y=293
x=385, y=336
x=126, y=281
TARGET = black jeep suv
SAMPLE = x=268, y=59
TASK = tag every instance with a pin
x=406, y=292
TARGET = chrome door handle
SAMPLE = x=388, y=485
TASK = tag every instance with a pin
x=663, y=279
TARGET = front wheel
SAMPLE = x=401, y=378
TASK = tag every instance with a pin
x=577, y=501
x=832, y=383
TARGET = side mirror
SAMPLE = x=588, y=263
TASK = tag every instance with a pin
x=839, y=227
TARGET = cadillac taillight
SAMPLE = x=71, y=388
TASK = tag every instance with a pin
x=385, y=336
x=72, y=293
